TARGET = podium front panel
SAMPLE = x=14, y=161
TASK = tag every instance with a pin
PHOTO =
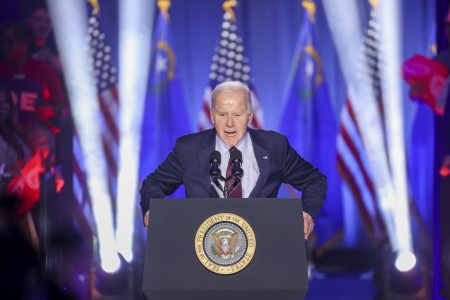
x=278, y=269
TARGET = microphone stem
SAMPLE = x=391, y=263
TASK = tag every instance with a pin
x=217, y=183
x=225, y=191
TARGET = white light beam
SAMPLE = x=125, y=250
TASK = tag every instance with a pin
x=135, y=36
x=389, y=65
x=70, y=27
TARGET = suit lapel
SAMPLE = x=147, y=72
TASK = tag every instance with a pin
x=263, y=158
x=207, y=147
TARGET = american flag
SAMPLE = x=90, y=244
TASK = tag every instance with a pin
x=229, y=63
x=106, y=81
x=352, y=161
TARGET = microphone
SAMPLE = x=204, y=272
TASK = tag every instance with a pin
x=214, y=170
x=236, y=162
x=214, y=162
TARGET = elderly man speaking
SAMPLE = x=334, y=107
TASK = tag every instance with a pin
x=267, y=158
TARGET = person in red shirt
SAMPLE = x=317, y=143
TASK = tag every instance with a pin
x=15, y=41
x=43, y=48
x=13, y=155
x=16, y=63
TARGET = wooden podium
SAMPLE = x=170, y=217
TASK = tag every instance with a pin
x=278, y=269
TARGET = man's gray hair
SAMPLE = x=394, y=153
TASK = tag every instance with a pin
x=232, y=86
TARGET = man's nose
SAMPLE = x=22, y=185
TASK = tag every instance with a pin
x=229, y=121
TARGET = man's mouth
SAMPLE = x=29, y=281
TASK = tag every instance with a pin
x=230, y=133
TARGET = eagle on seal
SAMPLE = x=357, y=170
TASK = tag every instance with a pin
x=225, y=246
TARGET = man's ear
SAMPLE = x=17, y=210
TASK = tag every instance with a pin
x=211, y=116
x=250, y=119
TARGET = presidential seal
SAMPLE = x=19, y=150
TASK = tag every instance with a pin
x=225, y=243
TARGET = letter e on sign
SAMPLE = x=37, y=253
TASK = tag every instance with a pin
x=28, y=101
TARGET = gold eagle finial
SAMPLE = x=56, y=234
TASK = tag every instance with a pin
x=164, y=6
x=310, y=8
x=228, y=7
x=95, y=5
x=374, y=3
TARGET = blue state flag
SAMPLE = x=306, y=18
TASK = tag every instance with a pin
x=310, y=124
x=165, y=116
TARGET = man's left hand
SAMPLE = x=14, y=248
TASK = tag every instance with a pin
x=308, y=224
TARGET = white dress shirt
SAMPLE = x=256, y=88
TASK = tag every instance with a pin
x=249, y=164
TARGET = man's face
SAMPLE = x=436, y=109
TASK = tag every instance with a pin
x=40, y=24
x=12, y=49
x=231, y=116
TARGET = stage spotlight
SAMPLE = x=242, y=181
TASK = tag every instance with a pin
x=115, y=283
x=405, y=261
x=409, y=282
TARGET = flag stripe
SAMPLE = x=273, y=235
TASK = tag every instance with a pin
x=350, y=134
x=345, y=156
x=83, y=213
x=79, y=179
x=109, y=120
x=110, y=158
x=86, y=227
x=257, y=112
x=349, y=179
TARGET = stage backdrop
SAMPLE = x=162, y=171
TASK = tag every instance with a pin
x=270, y=31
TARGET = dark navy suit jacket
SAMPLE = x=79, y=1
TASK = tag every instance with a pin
x=278, y=163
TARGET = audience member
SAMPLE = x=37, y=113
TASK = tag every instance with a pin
x=15, y=41
x=43, y=48
x=17, y=64
x=13, y=155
